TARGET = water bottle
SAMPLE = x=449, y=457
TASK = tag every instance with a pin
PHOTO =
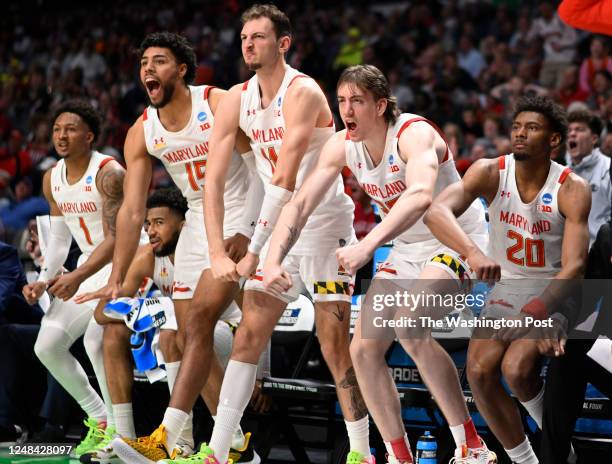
x=426, y=449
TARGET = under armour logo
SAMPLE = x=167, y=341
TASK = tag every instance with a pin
x=263, y=223
x=505, y=194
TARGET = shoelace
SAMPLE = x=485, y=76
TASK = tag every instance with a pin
x=94, y=430
x=354, y=457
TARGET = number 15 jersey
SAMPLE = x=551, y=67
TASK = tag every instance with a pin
x=526, y=238
x=184, y=153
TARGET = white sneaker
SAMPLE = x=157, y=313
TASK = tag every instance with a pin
x=482, y=455
x=183, y=450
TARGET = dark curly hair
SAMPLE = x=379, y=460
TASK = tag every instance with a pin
x=178, y=45
x=553, y=112
x=171, y=198
x=84, y=110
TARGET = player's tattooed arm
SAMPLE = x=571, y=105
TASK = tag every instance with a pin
x=111, y=187
x=290, y=239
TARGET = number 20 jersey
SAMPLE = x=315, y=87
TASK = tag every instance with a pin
x=526, y=238
x=184, y=153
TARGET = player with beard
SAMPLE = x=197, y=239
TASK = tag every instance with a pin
x=538, y=214
x=84, y=191
x=175, y=129
x=155, y=261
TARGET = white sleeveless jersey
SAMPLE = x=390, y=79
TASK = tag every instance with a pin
x=332, y=219
x=184, y=153
x=526, y=238
x=386, y=182
x=81, y=202
x=163, y=275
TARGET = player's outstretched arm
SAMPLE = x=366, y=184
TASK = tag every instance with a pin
x=58, y=247
x=222, y=142
x=480, y=180
x=295, y=213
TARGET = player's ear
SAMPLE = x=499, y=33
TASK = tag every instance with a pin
x=381, y=106
x=555, y=140
x=284, y=44
x=90, y=137
x=182, y=70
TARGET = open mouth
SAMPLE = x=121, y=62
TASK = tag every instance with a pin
x=572, y=144
x=351, y=126
x=153, y=86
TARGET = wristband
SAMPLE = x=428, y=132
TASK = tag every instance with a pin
x=536, y=308
x=275, y=198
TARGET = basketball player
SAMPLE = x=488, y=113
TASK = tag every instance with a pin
x=165, y=217
x=538, y=213
x=286, y=116
x=84, y=191
x=175, y=129
x=401, y=161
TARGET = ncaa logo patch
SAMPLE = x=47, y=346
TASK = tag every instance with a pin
x=280, y=99
x=391, y=159
x=89, y=180
x=202, y=116
x=547, y=198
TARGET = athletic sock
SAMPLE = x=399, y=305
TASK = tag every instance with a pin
x=124, y=420
x=523, y=453
x=359, y=435
x=535, y=407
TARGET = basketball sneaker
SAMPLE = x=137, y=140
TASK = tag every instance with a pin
x=246, y=454
x=96, y=433
x=482, y=455
x=205, y=456
x=355, y=457
x=144, y=450
x=103, y=453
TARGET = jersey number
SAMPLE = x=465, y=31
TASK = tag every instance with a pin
x=85, y=230
x=534, y=251
x=196, y=171
x=271, y=156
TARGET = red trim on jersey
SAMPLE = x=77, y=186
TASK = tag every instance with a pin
x=502, y=162
x=245, y=86
x=144, y=114
x=207, y=91
x=105, y=161
x=296, y=77
x=432, y=124
x=181, y=289
x=347, y=135
x=331, y=123
x=564, y=174
x=256, y=277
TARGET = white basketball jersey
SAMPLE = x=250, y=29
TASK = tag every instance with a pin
x=386, y=182
x=81, y=202
x=184, y=153
x=526, y=238
x=163, y=275
x=332, y=219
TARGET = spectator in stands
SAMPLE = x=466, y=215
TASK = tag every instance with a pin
x=588, y=162
x=23, y=207
x=597, y=60
x=568, y=90
x=351, y=52
x=601, y=87
x=14, y=159
x=470, y=59
x=559, y=44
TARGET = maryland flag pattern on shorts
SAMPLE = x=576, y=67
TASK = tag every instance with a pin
x=331, y=287
x=454, y=264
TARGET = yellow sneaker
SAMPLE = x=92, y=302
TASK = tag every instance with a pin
x=144, y=450
x=246, y=454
